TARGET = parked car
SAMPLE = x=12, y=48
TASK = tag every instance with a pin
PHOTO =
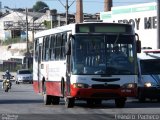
x=24, y=76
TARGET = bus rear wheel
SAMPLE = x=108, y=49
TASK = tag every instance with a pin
x=47, y=99
x=55, y=100
x=120, y=102
x=69, y=102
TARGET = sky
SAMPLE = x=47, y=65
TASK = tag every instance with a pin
x=89, y=6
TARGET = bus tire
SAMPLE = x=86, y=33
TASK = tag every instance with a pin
x=69, y=102
x=120, y=102
x=98, y=102
x=62, y=87
x=90, y=102
x=47, y=99
x=55, y=100
x=158, y=99
x=141, y=97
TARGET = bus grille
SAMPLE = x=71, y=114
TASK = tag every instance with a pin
x=105, y=86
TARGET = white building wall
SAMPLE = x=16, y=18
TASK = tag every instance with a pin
x=13, y=17
x=137, y=15
x=2, y=32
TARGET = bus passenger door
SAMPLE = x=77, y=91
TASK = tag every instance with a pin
x=39, y=66
x=68, y=66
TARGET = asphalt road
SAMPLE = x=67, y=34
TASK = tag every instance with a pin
x=21, y=103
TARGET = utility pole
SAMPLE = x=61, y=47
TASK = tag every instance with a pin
x=27, y=42
x=66, y=8
x=67, y=12
x=158, y=24
x=51, y=21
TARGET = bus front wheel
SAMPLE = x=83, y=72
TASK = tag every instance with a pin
x=47, y=99
x=141, y=97
x=120, y=102
x=91, y=102
x=69, y=102
x=62, y=87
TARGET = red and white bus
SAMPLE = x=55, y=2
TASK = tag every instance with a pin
x=78, y=62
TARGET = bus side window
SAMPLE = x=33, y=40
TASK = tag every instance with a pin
x=36, y=49
x=64, y=39
x=43, y=49
x=46, y=48
x=55, y=47
x=58, y=46
x=52, y=48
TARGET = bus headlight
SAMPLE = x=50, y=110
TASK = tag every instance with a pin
x=129, y=85
x=148, y=84
x=80, y=85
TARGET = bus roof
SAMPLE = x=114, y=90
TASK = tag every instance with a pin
x=54, y=30
x=149, y=54
x=152, y=51
x=20, y=57
x=70, y=27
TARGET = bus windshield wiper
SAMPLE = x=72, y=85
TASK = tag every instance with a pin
x=99, y=72
x=116, y=39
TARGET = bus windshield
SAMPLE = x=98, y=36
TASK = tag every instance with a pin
x=150, y=66
x=103, y=54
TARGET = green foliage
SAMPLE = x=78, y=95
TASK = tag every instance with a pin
x=47, y=24
x=39, y=6
x=11, y=41
x=18, y=66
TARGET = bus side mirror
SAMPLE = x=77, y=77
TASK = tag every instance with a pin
x=138, y=44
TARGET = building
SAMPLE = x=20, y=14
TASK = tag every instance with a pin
x=142, y=16
x=13, y=24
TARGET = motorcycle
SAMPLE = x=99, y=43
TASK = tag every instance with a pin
x=6, y=83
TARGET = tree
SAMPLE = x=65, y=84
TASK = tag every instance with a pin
x=39, y=6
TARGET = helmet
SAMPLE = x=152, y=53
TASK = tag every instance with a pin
x=7, y=71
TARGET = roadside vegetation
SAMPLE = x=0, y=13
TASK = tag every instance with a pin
x=12, y=40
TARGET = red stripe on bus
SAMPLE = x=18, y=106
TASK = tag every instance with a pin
x=53, y=88
x=102, y=93
x=35, y=86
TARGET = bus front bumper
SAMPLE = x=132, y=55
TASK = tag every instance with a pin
x=102, y=93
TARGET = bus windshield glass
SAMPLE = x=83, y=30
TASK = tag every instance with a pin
x=150, y=66
x=103, y=54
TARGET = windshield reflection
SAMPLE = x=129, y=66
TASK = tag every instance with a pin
x=111, y=54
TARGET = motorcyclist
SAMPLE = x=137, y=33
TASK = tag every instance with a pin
x=7, y=76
